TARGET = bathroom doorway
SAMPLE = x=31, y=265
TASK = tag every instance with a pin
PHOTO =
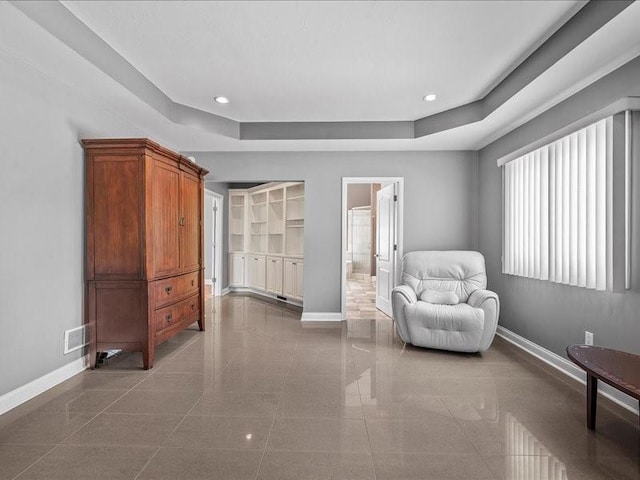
x=370, y=248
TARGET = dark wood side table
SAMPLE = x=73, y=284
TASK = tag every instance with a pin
x=619, y=369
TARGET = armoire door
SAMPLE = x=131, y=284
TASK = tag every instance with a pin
x=165, y=207
x=190, y=223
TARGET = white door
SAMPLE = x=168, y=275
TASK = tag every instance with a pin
x=385, y=247
x=213, y=246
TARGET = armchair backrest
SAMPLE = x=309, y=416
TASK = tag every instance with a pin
x=458, y=271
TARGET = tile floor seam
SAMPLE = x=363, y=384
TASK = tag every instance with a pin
x=147, y=462
x=373, y=465
x=37, y=461
x=266, y=443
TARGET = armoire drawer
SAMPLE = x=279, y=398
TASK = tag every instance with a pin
x=171, y=289
x=177, y=313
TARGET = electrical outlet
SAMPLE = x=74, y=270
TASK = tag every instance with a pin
x=588, y=338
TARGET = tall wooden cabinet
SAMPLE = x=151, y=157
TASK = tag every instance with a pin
x=145, y=277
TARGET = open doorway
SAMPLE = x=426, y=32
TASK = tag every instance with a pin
x=371, y=245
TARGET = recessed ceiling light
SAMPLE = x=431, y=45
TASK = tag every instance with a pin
x=222, y=100
x=430, y=97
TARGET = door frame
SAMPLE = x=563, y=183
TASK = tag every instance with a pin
x=399, y=221
x=217, y=238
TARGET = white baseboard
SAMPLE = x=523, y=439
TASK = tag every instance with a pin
x=567, y=367
x=263, y=293
x=321, y=317
x=225, y=291
x=26, y=392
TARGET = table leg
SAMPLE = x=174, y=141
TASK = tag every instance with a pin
x=592, y=401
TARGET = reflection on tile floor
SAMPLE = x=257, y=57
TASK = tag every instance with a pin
x=261, y=396
x=361, y=298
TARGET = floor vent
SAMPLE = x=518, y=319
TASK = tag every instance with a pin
x=75, y=339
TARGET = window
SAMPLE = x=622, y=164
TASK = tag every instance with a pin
x=556, y=204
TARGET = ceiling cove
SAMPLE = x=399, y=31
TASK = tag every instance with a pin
x=63, y=24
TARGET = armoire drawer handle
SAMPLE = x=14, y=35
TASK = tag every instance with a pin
x=193, y=282
x=168, y=290
x=168, y=318
x=193, y=306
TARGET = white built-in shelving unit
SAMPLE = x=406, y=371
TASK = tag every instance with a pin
x=266, y=238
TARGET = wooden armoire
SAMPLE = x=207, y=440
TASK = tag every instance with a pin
x=144, y=270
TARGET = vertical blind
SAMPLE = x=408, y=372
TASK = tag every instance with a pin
x=555, y=210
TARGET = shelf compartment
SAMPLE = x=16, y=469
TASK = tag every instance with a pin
x=295, y=191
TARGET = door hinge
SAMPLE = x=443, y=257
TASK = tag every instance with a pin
x=214, y=279
x=395, y=198
x=395, y=248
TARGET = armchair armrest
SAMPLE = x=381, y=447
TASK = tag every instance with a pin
x=478, y=297
x=407, y=292
x=489, y=302
x=402, y=296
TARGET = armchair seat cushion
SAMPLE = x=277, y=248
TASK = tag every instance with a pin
x=447, y=327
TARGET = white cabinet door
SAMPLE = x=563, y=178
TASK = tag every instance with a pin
x=236, y=270
x=257, y=271
x=274, y=275
x=292, y=284
x=299, y=279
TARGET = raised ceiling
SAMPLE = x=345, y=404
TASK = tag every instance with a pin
x=341, y=63
x=323, y=61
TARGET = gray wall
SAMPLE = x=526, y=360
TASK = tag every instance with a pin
x=440, y=194
x=42, y=214
x=546, y=313
x=358, y=195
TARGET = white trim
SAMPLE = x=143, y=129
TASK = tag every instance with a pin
x=26, y=392
x=399, y=181
x=625, y=103
x=225, y=291
x=321, y=317
x=627, y=197
x=567, y=367
x=208, y=281
x=263, y=293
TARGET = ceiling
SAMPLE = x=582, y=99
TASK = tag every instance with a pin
x=351, y=62
x=323, y=61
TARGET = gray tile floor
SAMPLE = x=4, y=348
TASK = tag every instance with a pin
x=261, y=396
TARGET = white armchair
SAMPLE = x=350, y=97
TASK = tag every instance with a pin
x=443, y=302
